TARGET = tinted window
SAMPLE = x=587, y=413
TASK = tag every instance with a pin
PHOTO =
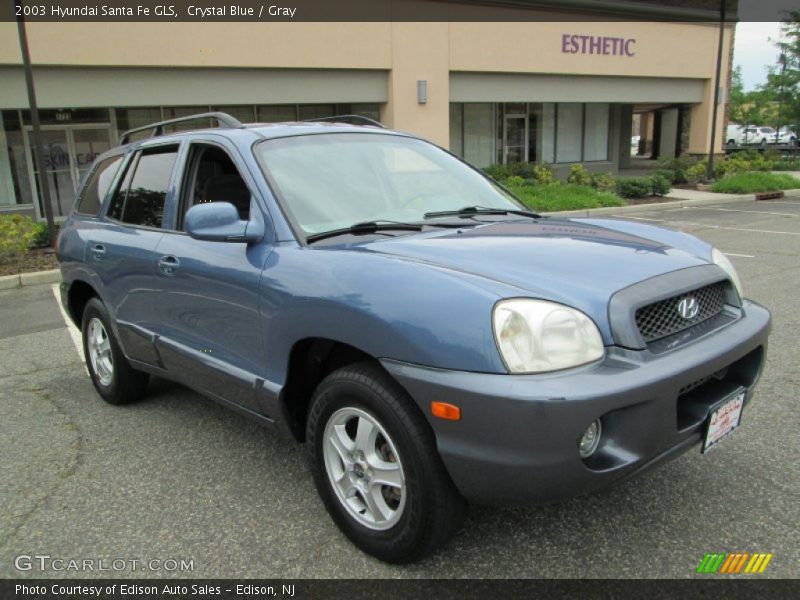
x=97, y=187
x=140, y=200
x=213, y=177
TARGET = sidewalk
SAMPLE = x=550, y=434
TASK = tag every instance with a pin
x=679, y=194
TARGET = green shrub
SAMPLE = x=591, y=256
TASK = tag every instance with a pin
x=530, y=172
x=633, y=187
x=543, y=174
x=498, y=172
x=40, y=237
x=521, y=169
x=603, y=182
x=556, y=197
x=755, y=182
x=665, y=173
x=675, y=169
x=660, y=185
x=17, y=234
x=786, y=164
x=697, y=172
x=515, y=181
x=579, y=175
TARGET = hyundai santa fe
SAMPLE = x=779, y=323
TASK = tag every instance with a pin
x=429, y=339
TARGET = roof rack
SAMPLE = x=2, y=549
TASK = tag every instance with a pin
x=224, y=120
x=349, y=120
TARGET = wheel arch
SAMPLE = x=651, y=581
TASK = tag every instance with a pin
x=78, y=295
x=310, y=361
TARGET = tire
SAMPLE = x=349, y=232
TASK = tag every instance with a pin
x=422, y=509
x=113, y=377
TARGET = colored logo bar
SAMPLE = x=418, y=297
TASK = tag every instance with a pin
x=723, y=563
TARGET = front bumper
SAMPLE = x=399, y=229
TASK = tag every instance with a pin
x=517, y=440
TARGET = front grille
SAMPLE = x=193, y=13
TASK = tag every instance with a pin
x=662, y=318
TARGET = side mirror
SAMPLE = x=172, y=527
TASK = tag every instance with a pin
x=220, y=222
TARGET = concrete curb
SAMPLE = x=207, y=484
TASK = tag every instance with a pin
x=8, y=282
x=637, y=208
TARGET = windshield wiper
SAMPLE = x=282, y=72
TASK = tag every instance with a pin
x=365, y=227
x=471, y=211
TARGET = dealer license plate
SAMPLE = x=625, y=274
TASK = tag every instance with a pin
x=724, y=420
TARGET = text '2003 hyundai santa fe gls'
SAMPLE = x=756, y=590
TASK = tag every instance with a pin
x=430, y=340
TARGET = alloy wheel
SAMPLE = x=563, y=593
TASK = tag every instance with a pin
x=100, y=356
x=364, y=468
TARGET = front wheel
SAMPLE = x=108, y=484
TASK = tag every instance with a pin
x=113, y=377
x=376, y=466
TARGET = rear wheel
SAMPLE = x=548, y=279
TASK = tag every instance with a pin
x=113, y=377
x=376, y=466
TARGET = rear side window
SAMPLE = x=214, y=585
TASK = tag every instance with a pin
x=97, y=187
x=141, y=197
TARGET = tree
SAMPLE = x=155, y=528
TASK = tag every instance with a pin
x=781, y=92
x=737, y=98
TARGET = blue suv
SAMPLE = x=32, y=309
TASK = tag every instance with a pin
x=429, y=339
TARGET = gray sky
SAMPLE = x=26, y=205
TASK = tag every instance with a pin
x=753, y=50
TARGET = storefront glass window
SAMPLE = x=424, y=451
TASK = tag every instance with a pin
x=456, y=129
x=245, y=114
x=14, y=182
x=131, y=118
x=479, y=134
x=595, y=140
x=175, y=112
x=569, y=132
x=548, y=132
x=277, y=113
x=316, y=111
x=534, y=131
x=370, y=110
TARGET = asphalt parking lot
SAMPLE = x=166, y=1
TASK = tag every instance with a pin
x=178, y=477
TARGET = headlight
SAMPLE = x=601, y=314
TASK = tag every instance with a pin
x=536, y=336
x=726, y=265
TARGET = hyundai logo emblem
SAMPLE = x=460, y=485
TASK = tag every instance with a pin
x=688, y=308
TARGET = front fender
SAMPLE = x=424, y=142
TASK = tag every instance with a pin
x=387, y=307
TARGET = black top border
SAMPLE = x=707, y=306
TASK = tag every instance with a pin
x=393, y=10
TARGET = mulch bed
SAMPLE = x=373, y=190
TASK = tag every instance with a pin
x=38, y=259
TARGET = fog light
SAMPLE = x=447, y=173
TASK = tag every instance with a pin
x=590, y=439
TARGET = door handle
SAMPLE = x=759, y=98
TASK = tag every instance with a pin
x=168, y=264
x=98, y=251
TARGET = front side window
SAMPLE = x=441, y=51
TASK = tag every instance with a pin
x=141, y=197
x=98, y=185
x=213, y=177
x=332, y=181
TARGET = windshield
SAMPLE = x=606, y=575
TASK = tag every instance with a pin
x=334, y=180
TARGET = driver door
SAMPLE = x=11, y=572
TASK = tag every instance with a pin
x=209, y=335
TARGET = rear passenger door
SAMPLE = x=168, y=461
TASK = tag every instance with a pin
x=122, y=251
x=208, y=324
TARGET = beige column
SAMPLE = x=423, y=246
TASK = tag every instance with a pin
x=420, y=51
x=700, y=128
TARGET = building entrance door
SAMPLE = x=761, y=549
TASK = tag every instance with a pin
x=515, y=138
x=69, y=151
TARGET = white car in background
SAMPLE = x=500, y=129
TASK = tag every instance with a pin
x=732, y=134
x=757, y=135
x=785, y=136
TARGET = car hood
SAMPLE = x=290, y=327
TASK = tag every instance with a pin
x=574, y=262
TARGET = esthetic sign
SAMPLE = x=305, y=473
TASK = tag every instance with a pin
x=603, y=45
